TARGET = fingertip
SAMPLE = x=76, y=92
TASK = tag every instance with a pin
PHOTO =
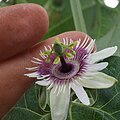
x=23, y=26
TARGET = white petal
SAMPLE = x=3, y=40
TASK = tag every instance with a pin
x=105, y=53
x=97, y=81
x=81, y=93
x=97, y=67
x=59, y=104
x=43, y=83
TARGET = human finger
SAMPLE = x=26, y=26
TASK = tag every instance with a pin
x=21, y=26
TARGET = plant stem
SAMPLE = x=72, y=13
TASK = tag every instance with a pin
x=78, y=15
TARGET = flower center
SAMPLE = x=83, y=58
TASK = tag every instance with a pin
x=73, y=68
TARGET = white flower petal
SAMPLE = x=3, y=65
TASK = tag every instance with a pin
x=81, y=93
x=98, y=81
x=98, y=66
x=59, y=104
x=43, y=82
x=105, y=53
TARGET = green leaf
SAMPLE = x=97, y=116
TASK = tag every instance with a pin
x=46, y=117
x=100, y=20
x=79, y=111
x=62, y=21
x=18, y=113
x=78, y=15
x=110, y=39
x=107, y=105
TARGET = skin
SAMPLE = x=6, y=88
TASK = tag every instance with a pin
x=21, y=24
x=13, y=83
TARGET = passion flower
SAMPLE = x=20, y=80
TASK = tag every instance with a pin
x=71, y=64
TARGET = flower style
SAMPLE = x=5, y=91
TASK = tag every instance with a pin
x=82, y=71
